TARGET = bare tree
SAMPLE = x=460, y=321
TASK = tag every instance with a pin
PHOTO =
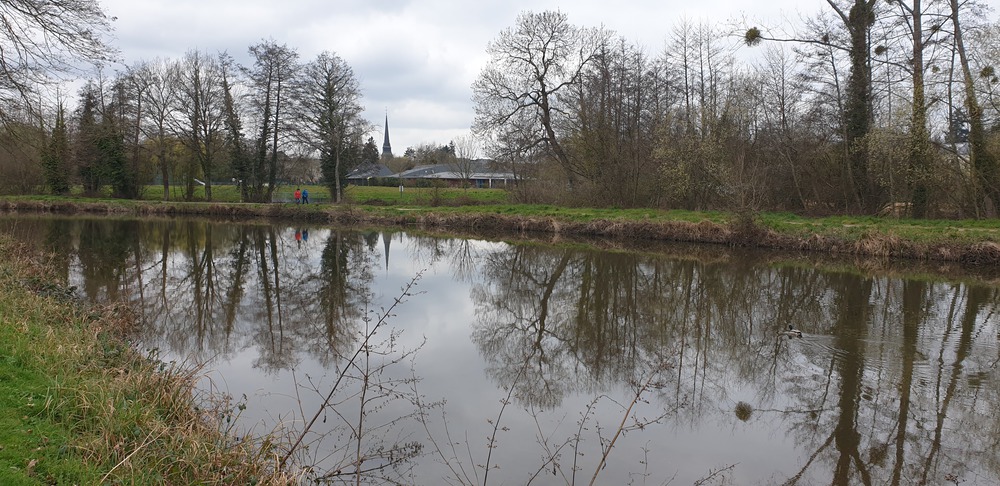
x=856, y=18
x=914, y=14
x=200, y=104
x=39, y=38
x=273, y=69
x=692, y=146
x=782, y=125
x=982, y=160
x=613, y=133
x=327, y=113
x=156, y=81
x=532, y=64
x=464, y=162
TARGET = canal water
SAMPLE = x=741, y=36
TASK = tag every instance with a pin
x=419, y=359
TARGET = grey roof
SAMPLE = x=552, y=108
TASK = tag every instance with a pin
x=371, y=170
x=426, y=171
x=479, y=169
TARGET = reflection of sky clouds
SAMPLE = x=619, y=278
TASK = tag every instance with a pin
x=792, y=385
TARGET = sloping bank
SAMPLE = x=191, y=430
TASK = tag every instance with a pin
x=868, y=241
x=79, y=405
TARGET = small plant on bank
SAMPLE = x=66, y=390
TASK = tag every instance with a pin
x=359, y=446
x=746, y=230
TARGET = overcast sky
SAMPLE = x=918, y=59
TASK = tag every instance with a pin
x=416, y=59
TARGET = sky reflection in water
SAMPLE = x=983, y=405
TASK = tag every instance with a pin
x=895, y=380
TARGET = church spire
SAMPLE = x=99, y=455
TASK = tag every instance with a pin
x=386, y=147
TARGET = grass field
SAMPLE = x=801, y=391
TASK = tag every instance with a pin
x=356, y=194
x=392, y=204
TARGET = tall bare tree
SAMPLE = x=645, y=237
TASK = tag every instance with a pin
x=692, y=140
x=274, y=68
x=531, y=65
x=156, y=82
x=914, y=13
x=200, y=104
x=856, y=18
x=612, y=134
x=327, y=111
x=983, y=161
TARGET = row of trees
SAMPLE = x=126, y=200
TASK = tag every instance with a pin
x=204, y=118
x=864, y=104
x=198, y=119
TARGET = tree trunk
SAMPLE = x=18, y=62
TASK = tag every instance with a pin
x=919, y=137
x=858, y=107
x=336, y=171
x=164, y=167
x=982, y=160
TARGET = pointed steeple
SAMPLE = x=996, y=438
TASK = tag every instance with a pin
x=386, y=240
x=386, y=147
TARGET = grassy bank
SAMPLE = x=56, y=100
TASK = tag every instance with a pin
x=78, y=405
x=970, y=241
x=360, y=194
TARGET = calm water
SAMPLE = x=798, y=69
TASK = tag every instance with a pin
x=517, y=363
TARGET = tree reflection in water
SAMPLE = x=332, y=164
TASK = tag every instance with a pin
x=895, y=381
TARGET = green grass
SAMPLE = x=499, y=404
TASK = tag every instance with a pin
x=564, y=213
x=228, y=193
x=35, y=448
x=445, y=200
x=78, y=405
x=855, y=227
x=424, y=195
x=356, y=194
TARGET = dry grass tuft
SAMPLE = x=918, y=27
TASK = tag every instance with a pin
x=745, y=231
x=874, y=243
x=985, y=253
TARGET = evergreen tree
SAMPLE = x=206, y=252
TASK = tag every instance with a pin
x=113, y=164
x=55, y=157
x=87, y=159
x=369, y=153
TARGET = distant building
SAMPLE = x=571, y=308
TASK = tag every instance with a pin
x=480, y=173
x=386, y=147
x=362, y=175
